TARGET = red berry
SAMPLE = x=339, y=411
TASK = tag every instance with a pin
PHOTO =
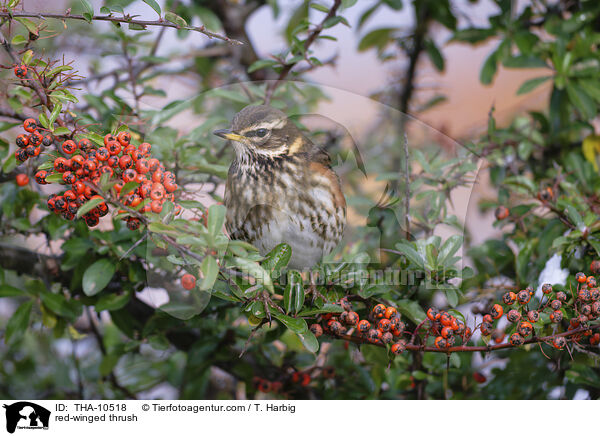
x=29, y=125
x=69, y=146
x=188, y=281
x=501, y=213
x=580, y=277
x=479, y=377
x=559, y=342
x=516, y=339
x=20, y=71
x=22, y=179
x=398, y=347
x=379, y=310
x=124, y=138
x=316, y=330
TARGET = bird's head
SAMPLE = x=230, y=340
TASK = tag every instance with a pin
x=263, y=131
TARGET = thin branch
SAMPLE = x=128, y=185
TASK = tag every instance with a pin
x=406, y=189
x=126, y=19
x=100, y=341
x=311, y=38
x=469, y=348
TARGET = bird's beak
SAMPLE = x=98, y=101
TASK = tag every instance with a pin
x=228, y=134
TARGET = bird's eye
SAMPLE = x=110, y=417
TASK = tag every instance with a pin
x=261, y=132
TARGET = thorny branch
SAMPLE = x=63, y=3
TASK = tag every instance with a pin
x=311, y=38
x=127, y=19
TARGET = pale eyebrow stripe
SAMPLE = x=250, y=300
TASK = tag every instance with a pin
x=275, y=124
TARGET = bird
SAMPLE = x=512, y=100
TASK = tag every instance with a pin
x=281, y=188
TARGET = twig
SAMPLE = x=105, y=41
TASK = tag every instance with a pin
x=100, y=341
x=311, y=38
x=126, y=19
x=406, y=189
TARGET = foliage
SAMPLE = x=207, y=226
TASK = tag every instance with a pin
x=84, y=318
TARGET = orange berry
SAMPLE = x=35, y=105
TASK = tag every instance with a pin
x=29, y=125
x=496, y=311
x=156, y=206
x=390, y=312
x=433, y=314
x=445, y=319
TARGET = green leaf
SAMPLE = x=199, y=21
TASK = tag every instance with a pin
x=524, y=61
x=297, y=325
x=435, y=56
x=153, y=5
x=112, y=301
x=365, y=16
x=97, y=276
x=29, y=25
x=582, y=101
x=17, y=324
x=210, y=270
x=209, y=19
x=54, y=178
x=54, y=71
x=592, y=88
x=327, y=308
x=54, y=115
x=44, y=120
x=61, y=131
x=455, y=360
x=216, y=218
x=261, y=63
x=378, y=38
x=293, y=295
x=175, y=19
x=27, y=56
x=319, y=7
x=488, y=70
x=309, y=341
x=108, y=363
x=412, y=310
x=18, y=39
x=531, y=84
x=452, y=297
x=256, y=271
x=88, y=205
x=88, y=10
x=448, y=249
x=473, y=35
x=574, y=217
x=127, y=188
x=412, y=255
x=9, y=164
x=278, y=257
x=10, y=291
x=58, y=304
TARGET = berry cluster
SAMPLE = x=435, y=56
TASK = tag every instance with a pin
x=447, y=329
x=122, y=161
x=293, y=378
x=583, y=306
x=383, y=325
